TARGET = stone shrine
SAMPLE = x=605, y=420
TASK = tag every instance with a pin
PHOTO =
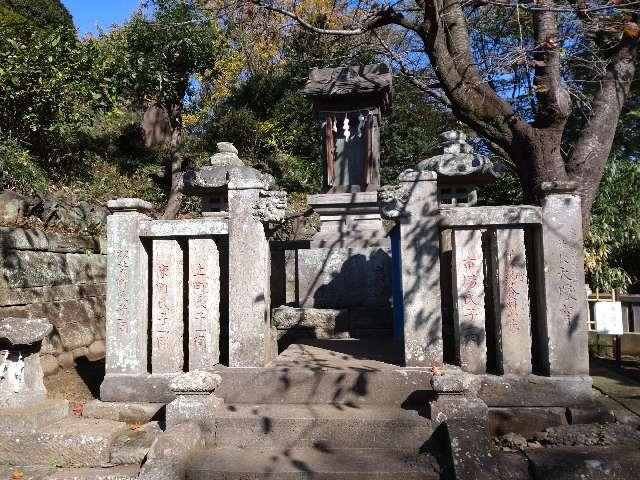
x=321, y=383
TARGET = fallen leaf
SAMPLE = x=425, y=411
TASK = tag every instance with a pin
x=632, y=29
x=17, y=475
x=78, y=409
x=135, y=425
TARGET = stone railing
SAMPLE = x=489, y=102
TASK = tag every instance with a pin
x=186, y=295
x=163, y=291
x=492, y=289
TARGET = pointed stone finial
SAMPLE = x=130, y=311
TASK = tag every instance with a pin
x=227, y=155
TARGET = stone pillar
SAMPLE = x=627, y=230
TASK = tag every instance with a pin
x=468, y=300
x=420, y=253
x=204, y=304
x=167, y=319
x=562, y=316
x=511, y=301
x=250, y=343
x=127, y=288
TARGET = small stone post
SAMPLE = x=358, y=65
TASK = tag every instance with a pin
x=420, y=253
x=127, y=288
x=195, y=400
x=562, y=319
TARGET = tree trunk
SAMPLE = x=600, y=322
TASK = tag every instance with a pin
x=537, y=154
x=174, y=201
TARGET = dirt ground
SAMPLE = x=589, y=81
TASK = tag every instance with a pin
x=78, y=385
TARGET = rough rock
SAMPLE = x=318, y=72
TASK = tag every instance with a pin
x=66, y=360
x=96, y=351
x=590, y=435
x=132, y=446
x=227, y=155
x=24, y=331
x=447, y=407
x=514, y=441
x=79, y=352
x=69, y=442
x=197, y=381
x=177, y=442
x=454, y=380
x=49, y=365
x=13, y=207
x=29, y=418
x=525, y=421
x=121, y=412
x=134, y=204
x=585, y=463
x=325, y=323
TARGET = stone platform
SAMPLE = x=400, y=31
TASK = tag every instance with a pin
x=299, y=463
x=361, y=372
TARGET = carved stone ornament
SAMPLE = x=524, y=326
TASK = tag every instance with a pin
x=456, y=158
x=271, y=206
x=392, y=200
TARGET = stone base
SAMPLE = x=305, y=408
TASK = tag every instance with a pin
x=525, y=421
x=121, y=411
x=73, y=442
x=136, y=388
x=344, y=277
x=33, y=417
x=535, y=391
x=200, y=409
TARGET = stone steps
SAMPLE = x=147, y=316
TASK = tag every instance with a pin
x=334, y=426
x=123, y=472
x=317, y=463
x=71, y=442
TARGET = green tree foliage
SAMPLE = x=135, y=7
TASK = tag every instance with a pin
x=49, y=88
x=41, y=13
x=612, y=245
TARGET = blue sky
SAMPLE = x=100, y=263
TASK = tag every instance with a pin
x=88, y=14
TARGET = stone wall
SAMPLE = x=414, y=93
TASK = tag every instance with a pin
x=60, y=277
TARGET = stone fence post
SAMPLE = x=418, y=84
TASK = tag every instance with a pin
x=127, y=288
x=415, y=205
x=562, y=298
x=251, y=343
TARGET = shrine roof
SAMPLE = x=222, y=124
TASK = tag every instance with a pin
x=349, y=80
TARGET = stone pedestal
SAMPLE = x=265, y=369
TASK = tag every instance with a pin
x=127, y=287
x=195, y=400
x=562, y=318
x=420, y=253
x=348, y=220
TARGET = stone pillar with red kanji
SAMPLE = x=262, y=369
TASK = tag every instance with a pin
x=167, y=322
x=468, y=300
x=511, y=301
x=204, y=304
x=127, y=301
